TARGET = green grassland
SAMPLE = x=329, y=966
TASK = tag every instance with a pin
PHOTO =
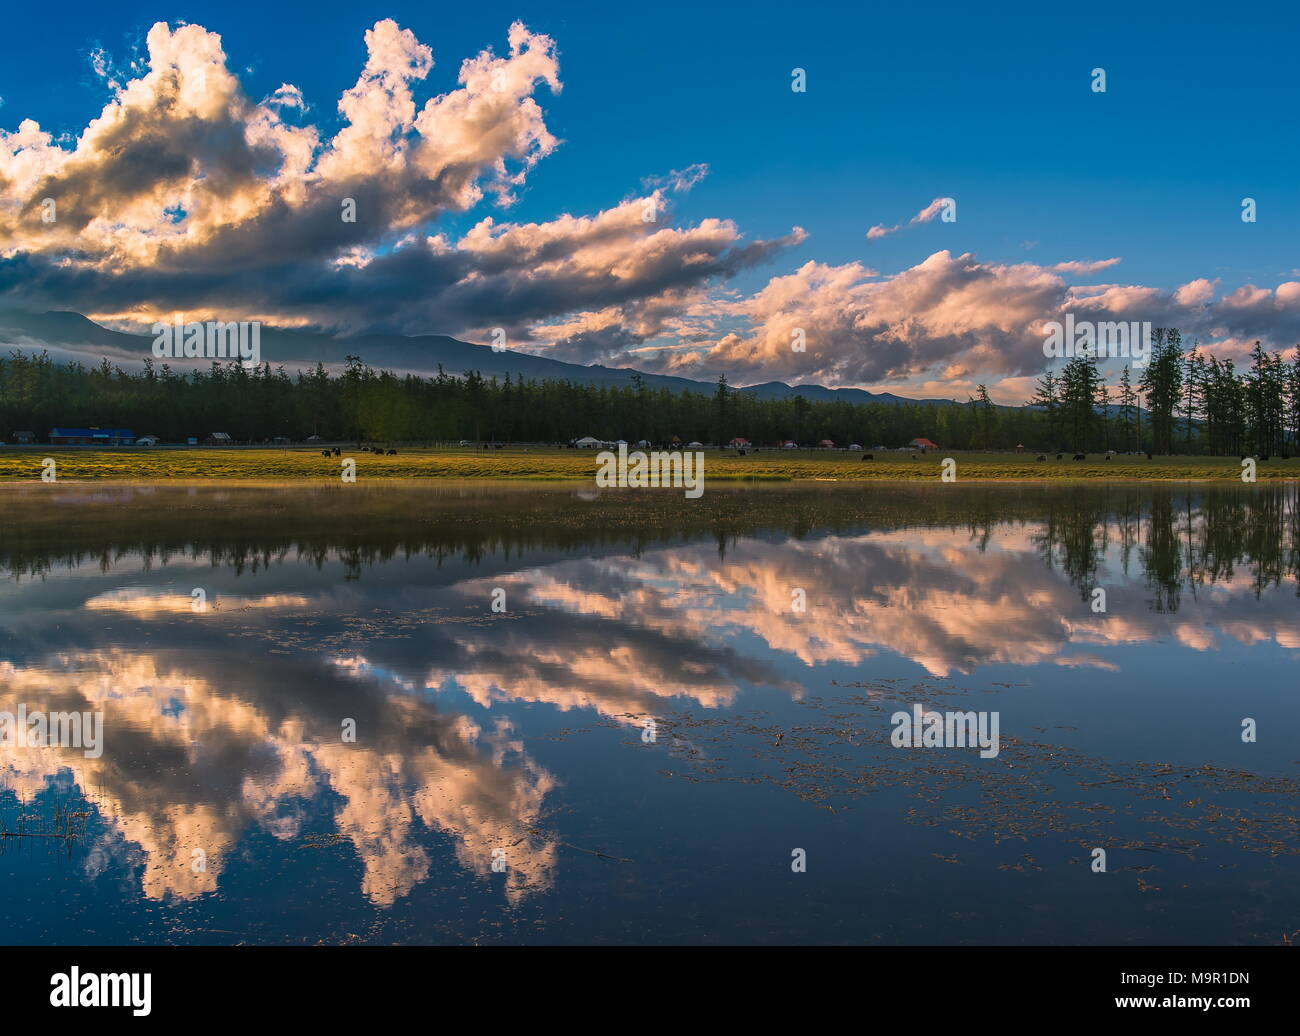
x=255, y=464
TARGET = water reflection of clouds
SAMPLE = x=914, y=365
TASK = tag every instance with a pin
x=246, y=752
x=928, y=595
x=203, y=747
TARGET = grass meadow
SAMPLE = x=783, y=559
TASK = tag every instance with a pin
x=132, y=464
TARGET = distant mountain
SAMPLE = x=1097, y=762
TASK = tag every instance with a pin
x=70, y=336
x=820, y=394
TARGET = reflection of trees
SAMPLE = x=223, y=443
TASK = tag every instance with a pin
x=1162, y=555
x=1183, y=538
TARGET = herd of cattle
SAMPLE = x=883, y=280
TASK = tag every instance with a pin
x=336, y=452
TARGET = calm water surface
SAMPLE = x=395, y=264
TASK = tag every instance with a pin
x=230, y=805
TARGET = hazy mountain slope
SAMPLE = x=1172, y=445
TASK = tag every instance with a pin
x=71, y=333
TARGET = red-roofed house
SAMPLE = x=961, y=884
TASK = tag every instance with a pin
x=923, y=444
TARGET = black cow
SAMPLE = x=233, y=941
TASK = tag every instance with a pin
x=324, y=453
x=1041, y=457
x=338, y=452
x=1080, y=456
x=1060, y=456
x=1148, y=456
x=868, y=456
x=392, y=453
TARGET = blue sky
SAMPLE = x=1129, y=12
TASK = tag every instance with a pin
x=991, y=108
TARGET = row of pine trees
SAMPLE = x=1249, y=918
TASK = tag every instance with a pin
x=1181, y=402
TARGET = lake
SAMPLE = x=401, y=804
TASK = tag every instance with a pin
x=498, y=714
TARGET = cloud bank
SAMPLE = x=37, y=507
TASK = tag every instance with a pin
x=186, y=195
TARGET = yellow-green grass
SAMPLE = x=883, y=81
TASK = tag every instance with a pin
x=158, y=465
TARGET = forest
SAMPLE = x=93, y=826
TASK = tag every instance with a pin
x=1183, y=401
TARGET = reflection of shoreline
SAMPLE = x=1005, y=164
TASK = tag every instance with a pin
x=1175, y=534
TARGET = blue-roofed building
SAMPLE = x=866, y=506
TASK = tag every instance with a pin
x=91, y=437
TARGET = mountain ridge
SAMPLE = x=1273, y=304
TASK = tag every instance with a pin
x=74, y=333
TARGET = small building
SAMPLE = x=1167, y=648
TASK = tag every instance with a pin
x=739, y=443
x=695, y=445
x=23, y=438
x=191, y=441
x=218, y=439
x=280, y=440
x=91, y=437
x=147, y=440
x=922, y=445
x=827, y=444
x=789, y=444
x=855, y=446
x=587, y=442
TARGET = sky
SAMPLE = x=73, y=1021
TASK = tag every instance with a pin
x=641, y=186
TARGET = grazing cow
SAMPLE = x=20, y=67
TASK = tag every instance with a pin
x=1041, y=457
x=1060, y=456
x=1108, y=456
x=741, y=452
x=338, y=452
x=392, y=453
x=1148, y=456
x=868, y=456
x=1080, y=456
x=914, y=456
x=324, y=453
